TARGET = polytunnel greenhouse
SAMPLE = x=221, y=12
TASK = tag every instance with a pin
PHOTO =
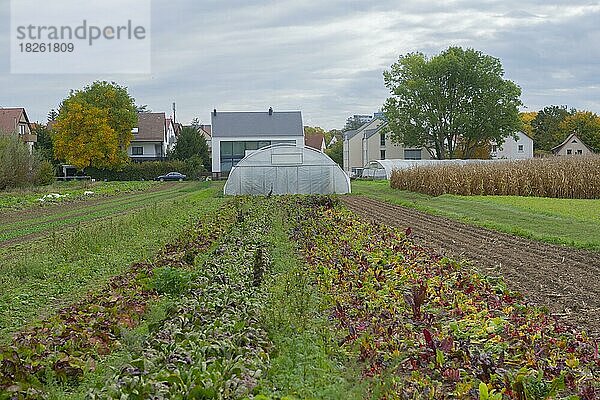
x=287, y=169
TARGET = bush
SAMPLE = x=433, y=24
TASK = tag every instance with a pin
x=573, y=177
x=147, y=170
x=171, y=281
x=18, y=167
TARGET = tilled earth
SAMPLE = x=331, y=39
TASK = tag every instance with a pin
x=564, y=279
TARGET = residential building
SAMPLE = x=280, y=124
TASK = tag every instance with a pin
x=15, y=120
x=572, y=146
x=316, y=141
x=236, y=134
x=372, y=142
x=519, y=148
x=153, y=137
x=206, y=130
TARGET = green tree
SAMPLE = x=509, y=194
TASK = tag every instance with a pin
x=52, y=115
x=454, y=102
x=353, y=122
x=94, y=126
x=191, y=144
x=44, y=141
x=336, y=152
x=586, y=125
x=546, y=127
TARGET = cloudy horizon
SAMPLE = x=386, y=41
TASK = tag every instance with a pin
x=327, y=59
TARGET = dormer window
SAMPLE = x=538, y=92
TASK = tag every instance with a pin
x=135, y=131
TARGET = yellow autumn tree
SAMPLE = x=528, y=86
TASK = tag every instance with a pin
x=84, y=138
x=526, y=118
x=93, y=127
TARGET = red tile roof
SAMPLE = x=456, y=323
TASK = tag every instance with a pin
x=315, y=141
x=9, y=118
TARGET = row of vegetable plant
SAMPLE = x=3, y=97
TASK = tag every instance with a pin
x=65, y=346
x=424, y=326
x=214, y=346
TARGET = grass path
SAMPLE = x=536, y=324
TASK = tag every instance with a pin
x=570, y=222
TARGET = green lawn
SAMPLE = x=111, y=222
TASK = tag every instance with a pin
x=572, y=222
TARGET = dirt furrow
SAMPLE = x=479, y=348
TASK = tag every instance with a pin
x=562, y=278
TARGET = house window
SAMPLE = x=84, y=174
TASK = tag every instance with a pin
x=135, y=131
x=382, y=154
x=520, y=148
x=574, y=141
x=569, y=151
x=579, y=151
x=137, y=151
x=494, y=148
x=382, y=141
x=22, y=130
x=412, y=154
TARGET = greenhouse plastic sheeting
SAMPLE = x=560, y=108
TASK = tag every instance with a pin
x=287, y=169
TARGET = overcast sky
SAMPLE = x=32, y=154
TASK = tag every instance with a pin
x=326, y=57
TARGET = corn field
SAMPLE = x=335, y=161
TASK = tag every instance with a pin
x=561, y=177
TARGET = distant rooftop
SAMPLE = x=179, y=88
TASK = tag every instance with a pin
x=257, y=124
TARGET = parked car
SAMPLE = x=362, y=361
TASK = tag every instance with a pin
x=171, y=176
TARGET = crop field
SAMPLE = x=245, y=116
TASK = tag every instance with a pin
x=292, y=297
x=559, y=177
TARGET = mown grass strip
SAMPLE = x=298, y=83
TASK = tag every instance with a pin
x=570, y=222
x=44, y=275
x=306, y=362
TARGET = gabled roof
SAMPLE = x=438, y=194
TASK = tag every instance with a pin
x=9, y=118
x=350, y=134
x=370, y=132
x=315, y=141
x=151, y=127
x=568, y=140
x=257, y=124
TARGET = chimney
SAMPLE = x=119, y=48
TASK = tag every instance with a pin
x=270, y=110
x=215, y=112
x=173, y=113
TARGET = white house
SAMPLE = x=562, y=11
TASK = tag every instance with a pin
x=237, y=134
x=153, y=137
x=372, y=142
x=520, y=148
x=572, y=145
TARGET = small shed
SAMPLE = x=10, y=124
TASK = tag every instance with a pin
x=287, y=169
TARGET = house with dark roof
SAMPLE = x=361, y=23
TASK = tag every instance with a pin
x=237, y=134
x=153, y=137
x=372, y=142
x=316, y=141
x=15, y=120
x=572, y=145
